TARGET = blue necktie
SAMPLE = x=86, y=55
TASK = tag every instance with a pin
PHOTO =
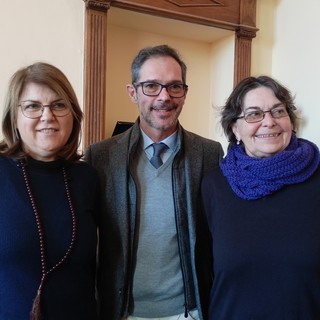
x=158, y=148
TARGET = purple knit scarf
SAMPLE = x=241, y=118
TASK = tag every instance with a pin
x=253, y=178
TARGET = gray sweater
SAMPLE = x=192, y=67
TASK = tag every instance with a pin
x=118, y=236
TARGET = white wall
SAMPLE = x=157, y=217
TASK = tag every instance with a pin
x=221, y=84
x=41, y=30
x=295, y=56
x=288, y=49
x=262, y=45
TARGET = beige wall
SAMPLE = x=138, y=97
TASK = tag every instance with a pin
x=262, y=45
x=209, y=59
x=286, y=47
x=41, y=30
x=222, y=56
x=295, y=57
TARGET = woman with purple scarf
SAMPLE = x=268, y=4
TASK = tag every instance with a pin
x=263, y=210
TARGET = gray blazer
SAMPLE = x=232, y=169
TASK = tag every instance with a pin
x=112, y=158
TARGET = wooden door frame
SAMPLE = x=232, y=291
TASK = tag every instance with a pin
x=238, y=16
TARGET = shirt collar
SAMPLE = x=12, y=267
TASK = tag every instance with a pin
x=171, y=141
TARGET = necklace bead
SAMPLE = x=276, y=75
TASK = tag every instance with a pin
x=44, y=270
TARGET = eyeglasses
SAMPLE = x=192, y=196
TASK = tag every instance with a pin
x=258, y=114
x=34, y=110
x=153, y=89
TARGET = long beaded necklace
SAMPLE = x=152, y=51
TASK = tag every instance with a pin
x=36, y=310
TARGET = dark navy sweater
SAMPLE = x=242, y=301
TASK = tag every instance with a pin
x=266, y=251
x=69, y=292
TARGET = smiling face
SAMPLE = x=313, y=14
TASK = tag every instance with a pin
x=269, y=136
x=42, y=138
x=158, y=115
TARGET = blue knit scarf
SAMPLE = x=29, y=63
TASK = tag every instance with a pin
x=253, y=178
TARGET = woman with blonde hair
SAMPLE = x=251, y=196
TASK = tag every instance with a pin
x=48, y=205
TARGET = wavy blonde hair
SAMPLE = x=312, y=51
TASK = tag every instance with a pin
x=50, y=76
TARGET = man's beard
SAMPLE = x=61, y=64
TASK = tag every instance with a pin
x=152, y=121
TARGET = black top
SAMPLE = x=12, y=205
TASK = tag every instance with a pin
x=266, y=251
x=69, y=291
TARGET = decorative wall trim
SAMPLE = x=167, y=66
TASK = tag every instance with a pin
x=97, y=5
x=196, y=3
x=242, y=58
x=95, y=71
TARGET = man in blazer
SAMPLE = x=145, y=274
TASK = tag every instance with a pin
x=154, y=256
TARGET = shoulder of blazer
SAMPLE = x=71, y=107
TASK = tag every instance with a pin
x=199, y=142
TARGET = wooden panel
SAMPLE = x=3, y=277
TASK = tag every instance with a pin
x=95, y=71
x=221, y=14
x=242, y=56
x=243, y=40
x=247, y=14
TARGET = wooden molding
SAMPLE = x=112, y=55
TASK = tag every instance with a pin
x=243, y=40
x=223, y=14
x=242, y=56
x=238, y=16
x=95, y=71
x=97, y=5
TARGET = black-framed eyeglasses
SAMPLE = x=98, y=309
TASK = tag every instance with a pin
x=34, y=110
x=153, y=89
x=257, y=115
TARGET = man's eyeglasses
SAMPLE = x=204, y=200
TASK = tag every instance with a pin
x=153, y=89
x=34, y=110
x=258, y=115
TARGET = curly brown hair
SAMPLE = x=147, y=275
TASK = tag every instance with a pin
x=234, y=104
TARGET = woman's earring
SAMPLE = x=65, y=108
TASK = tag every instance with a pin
x=238, y=141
